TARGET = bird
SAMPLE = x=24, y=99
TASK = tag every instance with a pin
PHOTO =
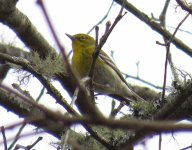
x=107, y=78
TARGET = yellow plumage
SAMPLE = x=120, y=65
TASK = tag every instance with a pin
x=107, y=78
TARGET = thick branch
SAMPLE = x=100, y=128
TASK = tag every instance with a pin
x=55, y=94
x=184, y=5
x=173, y=107
x=23, y=109
x=21, y=25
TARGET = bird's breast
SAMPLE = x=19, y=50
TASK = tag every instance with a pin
x=81, y=64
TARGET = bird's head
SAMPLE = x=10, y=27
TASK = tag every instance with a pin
x=81, y=40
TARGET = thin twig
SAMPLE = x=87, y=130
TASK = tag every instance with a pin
x=4, y=137
x=94, y=56
x=107, y=26
x=173, y=69
x=17, y=136
x=160, y=141
x=25, y=135
x=65, y=140
x=115, y=111
x=98, y=46
x=32, y=145
x=40, y=94
x=91, y=72
x=163, y=13
x=181, y=30
x=105, y=16
x=142, y=80
x=137, y=64
x=187, y=148
x=16, y=124
x=167, y=55
x=25, y=122
x=177, y=28
x=74, y=98
x=106, y=35
x=162, y=19
x=29, y=146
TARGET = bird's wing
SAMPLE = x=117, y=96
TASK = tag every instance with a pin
x=104, y=57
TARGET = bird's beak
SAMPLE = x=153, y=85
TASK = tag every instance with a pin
x=70, y=36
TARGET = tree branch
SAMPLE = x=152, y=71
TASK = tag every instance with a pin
x=22, y=26
x=184, y=5
x=175, y=102
x=155, y=26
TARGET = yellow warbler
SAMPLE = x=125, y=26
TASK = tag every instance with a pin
x=107, y=78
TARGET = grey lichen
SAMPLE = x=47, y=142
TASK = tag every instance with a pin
x=50, y=66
